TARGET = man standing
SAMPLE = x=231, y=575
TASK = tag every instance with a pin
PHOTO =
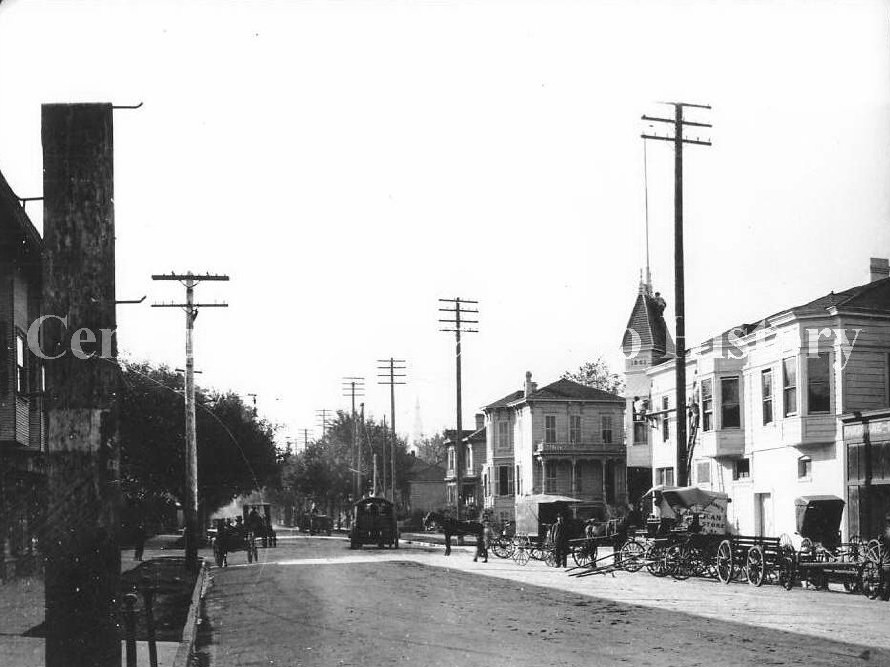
x=561, y=541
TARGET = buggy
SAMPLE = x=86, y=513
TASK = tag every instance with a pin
x=374, y=522
x=229, y=538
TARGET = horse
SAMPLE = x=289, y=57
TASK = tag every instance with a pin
x=451, y=527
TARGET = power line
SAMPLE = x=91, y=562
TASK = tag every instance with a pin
x=678, y=139
x=391, y=366
x=190, y=281
x=355, y=386
x=459, y=324
x=323, y=420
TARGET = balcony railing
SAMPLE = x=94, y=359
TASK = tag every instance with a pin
x=578, y=448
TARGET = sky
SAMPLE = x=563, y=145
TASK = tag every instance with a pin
x=349, y=163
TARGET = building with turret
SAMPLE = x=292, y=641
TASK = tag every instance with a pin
x=646, y=344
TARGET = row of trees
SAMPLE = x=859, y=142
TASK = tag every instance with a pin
x=324, y=472
x=236, y=449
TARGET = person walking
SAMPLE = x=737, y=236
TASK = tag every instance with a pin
x=482, y=539
x=139, y=541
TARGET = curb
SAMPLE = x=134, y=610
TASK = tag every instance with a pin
x=190, y=631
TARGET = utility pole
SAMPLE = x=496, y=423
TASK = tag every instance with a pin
x=305, y=438
x=190, y=280
x=361, y=482
x=323, y=421
x=458, y=322
x=80, y=536
x=678, y=140
x=391, y=367
x=352, y=387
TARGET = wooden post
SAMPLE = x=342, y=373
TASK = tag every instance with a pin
x=80, y=539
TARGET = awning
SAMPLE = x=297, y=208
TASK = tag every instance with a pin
x=542, y=498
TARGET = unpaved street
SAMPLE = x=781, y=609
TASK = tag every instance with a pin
x=314, y=602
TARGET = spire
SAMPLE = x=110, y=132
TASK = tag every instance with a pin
x=648, y=282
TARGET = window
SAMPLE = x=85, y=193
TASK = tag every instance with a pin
x=742, y=469
x=468, y=455
x=729, y=403
x=21, y=377
x=707, y=404
x=665, y=419
x=575, y=429
x=451, y=460
x=549, y=428
x=503, y=435
x=766, y=387
x=518, y=481
x=789, y=386
x=640, y=433
x=550, y=478
x=703, y=472
x=505, y=480
x=818, y=383
x=804, y=467
x=664, y=476
x=607, y=429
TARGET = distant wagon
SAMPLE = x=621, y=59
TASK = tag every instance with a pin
x=374, y=522
x=258, y=518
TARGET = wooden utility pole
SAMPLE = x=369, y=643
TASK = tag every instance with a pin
x=190, y=505
x=323, y=421
x=678, y=140
x=352, y=387
x=391, y=367
x=80, y=536
x=459, y=326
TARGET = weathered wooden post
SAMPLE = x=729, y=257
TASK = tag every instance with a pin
x=80, y=540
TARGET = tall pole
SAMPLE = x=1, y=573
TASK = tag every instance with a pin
x=80, y=535
x=190, y=503
x=459, y=323
x=352, y=387
x=392, y=377
x=682, y=446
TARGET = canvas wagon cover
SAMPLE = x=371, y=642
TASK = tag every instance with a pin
x=709, y=505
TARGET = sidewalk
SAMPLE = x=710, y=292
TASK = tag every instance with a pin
x=22, y=606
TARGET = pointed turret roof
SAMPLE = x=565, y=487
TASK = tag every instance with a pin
x=647, y=320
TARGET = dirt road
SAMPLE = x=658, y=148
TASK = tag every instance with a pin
x=321, y=604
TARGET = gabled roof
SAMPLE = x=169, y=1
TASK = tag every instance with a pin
x=16, y=229
x=873, y=297
x=569, y=389
x=649, y=325
x=506, y=400
x=450, y=433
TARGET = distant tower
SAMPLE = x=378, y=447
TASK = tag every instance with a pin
x=417, y=433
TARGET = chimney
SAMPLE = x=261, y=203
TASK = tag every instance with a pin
x=879, y=268
x=480, y=421
x=530, y=387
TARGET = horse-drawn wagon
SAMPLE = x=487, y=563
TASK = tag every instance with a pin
x=258, y=518
x=374, y=522
x=230, y=537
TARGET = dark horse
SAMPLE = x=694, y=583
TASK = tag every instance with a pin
x=451, y=527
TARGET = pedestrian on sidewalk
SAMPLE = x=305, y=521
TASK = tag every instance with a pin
x=561, y=541
x=482, y=538
x=139, y=541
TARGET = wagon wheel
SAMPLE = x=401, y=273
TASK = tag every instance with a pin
x=632, y=555
x=536, y=552
x=584, y=554
x=657, y=563
x=550, y=558
x=521, y=555
x=724, y=562
x=502, y=548
x=677, y=559
x=756, y=566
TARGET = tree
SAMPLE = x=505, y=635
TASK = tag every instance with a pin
x=431, y=449
x=324, y=472
x=236, y=451
x=597, y=374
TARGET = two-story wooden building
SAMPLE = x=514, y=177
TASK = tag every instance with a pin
x=562, y=439
x=22, y=418
x=472, y=458
x=770, y=397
